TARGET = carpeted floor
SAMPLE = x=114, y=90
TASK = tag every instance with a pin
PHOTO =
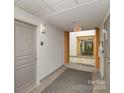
x=71, y=81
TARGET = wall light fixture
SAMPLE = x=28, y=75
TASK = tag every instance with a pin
x=43, y=28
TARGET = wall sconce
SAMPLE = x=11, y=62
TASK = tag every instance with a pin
x=43, y=28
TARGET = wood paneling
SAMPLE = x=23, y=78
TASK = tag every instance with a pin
x=97, y=47
x=66, y=47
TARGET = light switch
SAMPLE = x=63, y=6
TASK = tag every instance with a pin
x=41, y=43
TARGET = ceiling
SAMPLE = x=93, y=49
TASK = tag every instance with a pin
x=62, y=13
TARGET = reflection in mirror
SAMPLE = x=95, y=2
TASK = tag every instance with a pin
x=86, y=48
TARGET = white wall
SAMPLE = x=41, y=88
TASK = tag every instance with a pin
x=73, y=40
x=50, y=56
x=106, y=45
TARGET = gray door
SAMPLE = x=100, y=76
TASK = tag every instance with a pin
x=25, y=54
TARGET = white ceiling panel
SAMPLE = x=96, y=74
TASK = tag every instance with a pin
x=31, y=5
x=64, y=5
x=43, y=12
x=89, y=13
x=85, y=1
x=52, y=2
x=88, y=16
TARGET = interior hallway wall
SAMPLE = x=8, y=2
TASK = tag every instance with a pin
x=106, y=26
x=107, y=55
x=50, y=56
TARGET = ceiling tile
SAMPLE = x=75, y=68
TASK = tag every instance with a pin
x=84, y=1
x=31, y=5
x=64, y=5
x=89, y=16
x=43, y=12
x=52, y=2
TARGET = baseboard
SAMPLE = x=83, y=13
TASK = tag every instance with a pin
x=31, y=88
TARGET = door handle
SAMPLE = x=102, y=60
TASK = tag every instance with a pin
x=35, y=58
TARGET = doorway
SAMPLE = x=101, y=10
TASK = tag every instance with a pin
x=82, y=47
x=72, y=50
x=25, y=56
